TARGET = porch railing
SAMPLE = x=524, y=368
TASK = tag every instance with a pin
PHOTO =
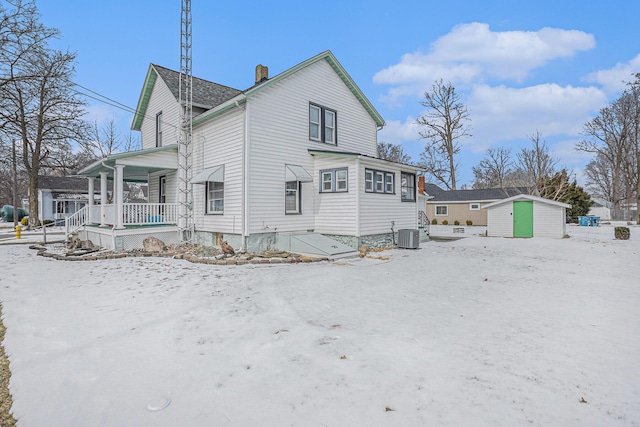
x=132, y=214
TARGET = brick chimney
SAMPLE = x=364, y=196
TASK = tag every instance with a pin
x=262, y=73
x=421, y=184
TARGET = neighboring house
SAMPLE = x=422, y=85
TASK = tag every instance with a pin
x=601, y=208
x=526, y=216
x=60, y=197
x=463, y=205
x=291, y=157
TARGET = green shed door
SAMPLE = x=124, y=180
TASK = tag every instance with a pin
x=523, y=219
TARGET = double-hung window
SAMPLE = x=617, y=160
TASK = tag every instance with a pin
x=334, y=180
x=322, y=124
x=292, y=197
x=376, y=181
x=159, y=129
x=442, y=210
x=215, y=197
x=408, y=187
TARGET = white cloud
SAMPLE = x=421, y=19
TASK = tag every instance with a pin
x=502, y=113
x=614, y=79
x=472, y=53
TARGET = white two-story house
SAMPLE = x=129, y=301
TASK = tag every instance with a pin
x=290, y=158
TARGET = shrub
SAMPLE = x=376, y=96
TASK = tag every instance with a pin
x=622, y=233
x=47, y=222
x=24, y=221
x=445, y=222
x=434, y=222
x=469, y=222
x=456, y=222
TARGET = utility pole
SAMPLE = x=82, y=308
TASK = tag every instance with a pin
x=15, y=184
x=185, y=148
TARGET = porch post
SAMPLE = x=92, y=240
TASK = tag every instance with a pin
x=103, y=198
x=91, y=183
x=118, y=195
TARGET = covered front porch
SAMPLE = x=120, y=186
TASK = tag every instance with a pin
x=114, y=224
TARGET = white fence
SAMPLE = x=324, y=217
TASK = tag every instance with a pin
x=132, y=214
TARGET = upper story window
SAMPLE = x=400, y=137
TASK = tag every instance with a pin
x=322, y=124
x=474, y=206
x=408, y=187
x=159, y=129
x=442, y=210
x=379, y=181
x=334, y=180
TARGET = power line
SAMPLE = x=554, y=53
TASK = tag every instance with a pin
x=113, y=103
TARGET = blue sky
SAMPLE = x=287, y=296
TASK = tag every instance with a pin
x=520, y=67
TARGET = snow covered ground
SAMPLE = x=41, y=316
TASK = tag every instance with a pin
x=479, y=331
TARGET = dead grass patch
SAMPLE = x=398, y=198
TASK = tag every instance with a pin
x=6, y=419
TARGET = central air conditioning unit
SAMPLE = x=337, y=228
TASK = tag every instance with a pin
x=408, y=239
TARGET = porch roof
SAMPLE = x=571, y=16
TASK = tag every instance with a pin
x=138, y=164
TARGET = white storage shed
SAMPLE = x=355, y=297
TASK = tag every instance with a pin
x=525, y=215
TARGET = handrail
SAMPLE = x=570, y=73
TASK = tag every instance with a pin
x=133, y=214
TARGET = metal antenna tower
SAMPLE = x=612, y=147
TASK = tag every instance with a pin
x=185, y=148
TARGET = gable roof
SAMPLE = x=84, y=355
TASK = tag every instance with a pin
x=527, y=197
x=483, y=194
x=328, y=56
x=210, y=95
x=205, y=94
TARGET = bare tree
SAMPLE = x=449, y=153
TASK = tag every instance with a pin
x=37, y=105
x=393, y=152
x=106, y=140
x=599, y=178
x=494, y=169
x=445, y=123
x=610, y=136
x=539, y=168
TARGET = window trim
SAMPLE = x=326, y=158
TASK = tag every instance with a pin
x=411, y=188
x=472, y=208
x=159, y=129
x=333, y=174
x=446, y=208
x=322, y=124
x=208, y=199
x=375, y=175
x=298, y=191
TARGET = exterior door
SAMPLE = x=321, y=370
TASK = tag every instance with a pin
x=523, y=219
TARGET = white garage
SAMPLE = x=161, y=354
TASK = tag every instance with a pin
x=526, y=216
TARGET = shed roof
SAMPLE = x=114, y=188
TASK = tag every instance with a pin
x=527, y=197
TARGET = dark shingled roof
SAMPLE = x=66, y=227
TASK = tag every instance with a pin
x=70, y=184
x=206, y=94
x=441, y=195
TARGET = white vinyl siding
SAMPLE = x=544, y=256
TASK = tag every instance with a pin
x=548, y=220
x=500, y=220
x=219, y=142
x=171, y=188
x=161, y=100
x=279, y=133
x=335, y=212
x=378, y=210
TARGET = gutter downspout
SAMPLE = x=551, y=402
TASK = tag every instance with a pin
x=358, y=200
x=245, y=175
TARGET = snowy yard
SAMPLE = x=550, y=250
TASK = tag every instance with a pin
x=479, y=331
